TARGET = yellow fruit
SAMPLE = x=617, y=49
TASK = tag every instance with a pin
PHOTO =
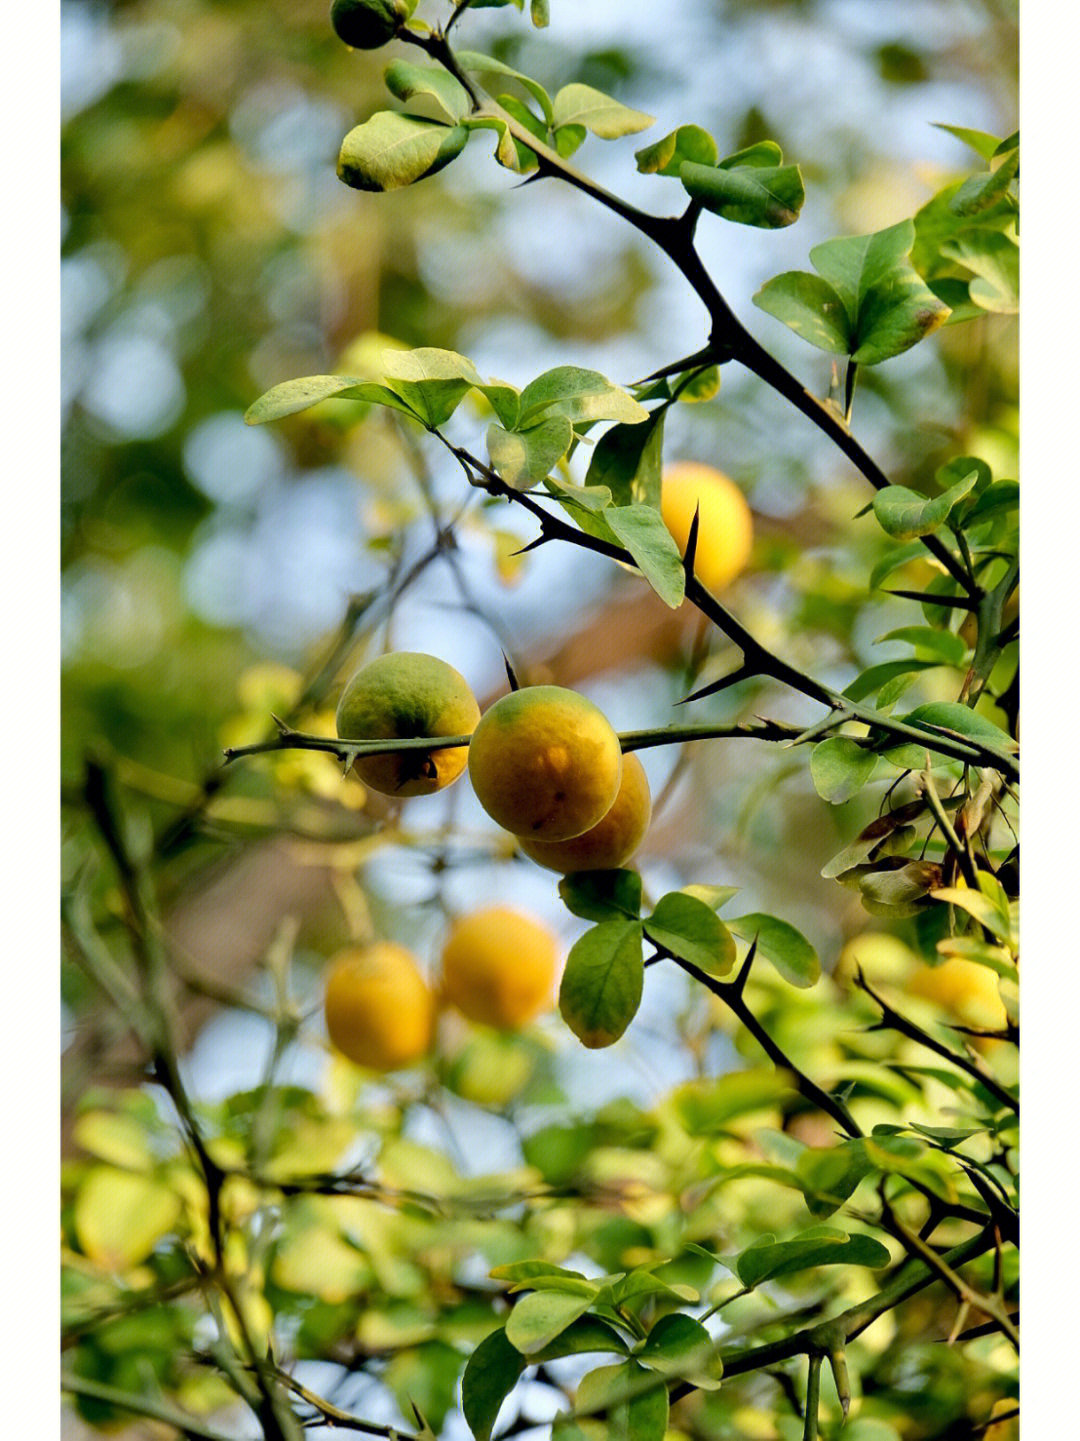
x=498, y=967
x=1007, y=1428
x=725, y=527
x=614, y=838
x=379, y=1010
x=402, y=695
x=969, y=992
x=545, y=763
x=883, y=958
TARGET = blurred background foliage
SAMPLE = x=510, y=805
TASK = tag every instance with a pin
x=209, y=252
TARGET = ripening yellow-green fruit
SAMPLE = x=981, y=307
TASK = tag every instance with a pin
x=402, y=695
x=545, y=763
x=725, y=527
x=615, y=837
x=379, y=1009
x=498, y=967
x=968, y=991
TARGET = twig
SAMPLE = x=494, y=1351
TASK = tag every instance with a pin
x=813, y=1396
x=892, y=1020
x=188, y=1426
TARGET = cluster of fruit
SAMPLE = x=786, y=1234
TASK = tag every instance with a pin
x=497, y=968
x=544, y=761
x=546, y=764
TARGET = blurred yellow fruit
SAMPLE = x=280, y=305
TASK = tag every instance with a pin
x=498, y=967
x=882, y=957
x=545, y=763
x=379, y=1010
x=969, y=992
x=1004, y=1420
x=402, y=695
x=725, y=529
x=615, y=837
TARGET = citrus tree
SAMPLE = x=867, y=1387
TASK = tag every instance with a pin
x=652, y=1161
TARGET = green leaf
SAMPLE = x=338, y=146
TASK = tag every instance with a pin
x=492, y=1372
x=640, y=1282
x=580, y=395
x=714, y=896
x=952, y=716
x=809, y=306
x=540, y=13
x=968, y=948
x=558, y=1152
x=505, y=401
x=766, y=197
x=839, y=768
x=979, y=906
x=558, y=1280
x=689, y=142
x=582, y=1337
x=541, y=1316
x=569, y=138
x=586, y=506
x=894, y=886
x=636, y=1407
x=113, y=1136
x=390, y=151
x=706, y=1107
x=293, y=396
x=405, y=80
x=904, y=1156
x=582, y=105
x=887, y=303
x=525, y=159
x=508, y=151
x=893, y=559
x=424, y=1382
x=473, y=61
x=820, y=1246
x=432, y=382
x=680, y=1347
x=869, y=681
x=524, y=457
x=763, y=155
x=525, y=1271
x=896, y=316
x=995, y=260
x=602, y=983
x=788, y=949
x=628, y=459
x=979, y=141
x=1002, y=495
x=980, y=192
x=693, y=932
x=854, y=265
x=602, y=895
x=893, y=689
x=936, y=223
x=904, y=513
x=691, y=387
x=944, y=644
x=642, y=531
x=120, y=1216
x=829, y=1175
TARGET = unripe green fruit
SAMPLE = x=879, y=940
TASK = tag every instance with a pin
x=368, y=24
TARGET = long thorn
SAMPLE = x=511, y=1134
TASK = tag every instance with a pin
x=743, y=672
